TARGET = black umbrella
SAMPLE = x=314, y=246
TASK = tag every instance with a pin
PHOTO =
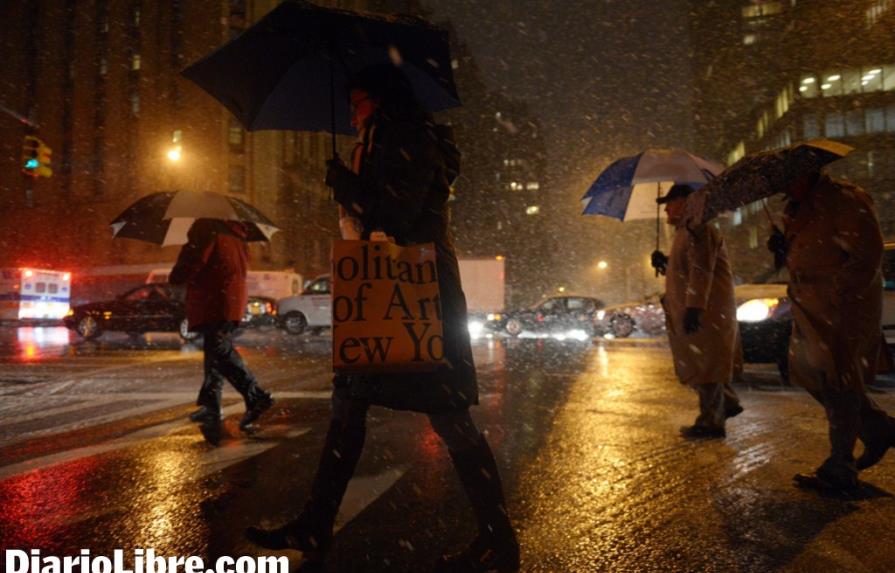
x=761, y=175
x=165, y=218
x=282, y=73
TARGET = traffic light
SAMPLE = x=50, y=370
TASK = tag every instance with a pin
x=36, y=157
x=43, y=157
x=30, y=154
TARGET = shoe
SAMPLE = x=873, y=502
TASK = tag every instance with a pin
x=697, y=432
x=484, y=555
x=820, y=482
x=733, y=411
x=873, y=453
x=206, y=414
x=295, y=535
x=257, y=409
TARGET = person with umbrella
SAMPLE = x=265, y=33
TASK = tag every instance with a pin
x=833, y=250
x=398, y=185
x=700, y=311
x=213, y=265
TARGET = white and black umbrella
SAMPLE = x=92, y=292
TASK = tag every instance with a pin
x=165, y=218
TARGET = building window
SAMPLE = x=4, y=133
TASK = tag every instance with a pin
x=136, y=16
x=749, y=39
x=810, y=127
x=808, y=86
x=103, y=66
x=875, y=119
x=235, y=135
x=135, y=62
x=532, y=186
x=889, y=78
x=738, y=153
x=753, y=237
x=237, y=180
x=135, y=103
x=872, y=79
x=854, y=122
x=835, y=125
x=532, y=210
x=890, y=118
x=762, y=9
x=737, y=218
x=877, y=9
x=870, y=164
x=831, y=84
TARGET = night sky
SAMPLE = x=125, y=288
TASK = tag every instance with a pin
x=606, y=78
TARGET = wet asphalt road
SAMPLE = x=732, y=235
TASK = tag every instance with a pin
x=95, y=453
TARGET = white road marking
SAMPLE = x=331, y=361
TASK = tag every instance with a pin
x=364, y=490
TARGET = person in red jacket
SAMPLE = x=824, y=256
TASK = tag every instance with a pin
x=213, y=266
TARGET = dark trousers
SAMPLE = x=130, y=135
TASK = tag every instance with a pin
x=715, y=400
x=223, y=361
x=851, y=415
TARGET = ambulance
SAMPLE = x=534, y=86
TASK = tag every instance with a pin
x=27, y=293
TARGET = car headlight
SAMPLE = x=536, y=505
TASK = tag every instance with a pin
x=495, y=316
x=475, y=328
x=757, y=309
x=601, y=314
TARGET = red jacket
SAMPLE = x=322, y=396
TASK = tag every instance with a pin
x=213, y=266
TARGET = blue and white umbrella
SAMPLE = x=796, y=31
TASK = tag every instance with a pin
x=628, y=189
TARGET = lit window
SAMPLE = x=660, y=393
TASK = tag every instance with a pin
x=135, y=103
x=737, y=217
x=808, y=87
x=890, y=118
x=753, y=238
x=762, y=9
x=749, y=39
x=532, y=186
x=135, y=62
x=871, y=79
x=136, y=16
x=176, y=136
x=738, y=153
x=235, y=134
x=103, y=66
x=889, y=78
x=532, y=210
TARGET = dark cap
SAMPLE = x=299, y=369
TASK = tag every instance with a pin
x=677, y=191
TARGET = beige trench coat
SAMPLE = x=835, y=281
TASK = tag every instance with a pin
x=834, y=261
x=699, y=276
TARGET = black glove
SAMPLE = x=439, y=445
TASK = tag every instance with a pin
x=659, y=261
x=691, y=320
x=777, y=245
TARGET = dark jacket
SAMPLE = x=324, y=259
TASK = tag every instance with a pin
x=213, y=266
x=403, y=188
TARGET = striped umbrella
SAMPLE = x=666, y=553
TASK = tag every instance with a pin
x=165, y=218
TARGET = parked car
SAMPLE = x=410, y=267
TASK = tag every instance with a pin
x=889, y=293
x=157, y=307
x=623, y=320
x=556, y=315
x=309, y=310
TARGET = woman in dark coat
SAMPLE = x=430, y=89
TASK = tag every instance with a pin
x=399, y=185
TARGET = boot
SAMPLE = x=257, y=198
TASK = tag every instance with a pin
x=874, y=450
x=495, y=548
x=312, y=531
x=260, y=405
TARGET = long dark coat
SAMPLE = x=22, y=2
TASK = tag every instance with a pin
x=213, y=265
x=834, y=259
x=402, y=188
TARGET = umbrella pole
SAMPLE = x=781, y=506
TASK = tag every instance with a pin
x=332, y=97
x=658, y=195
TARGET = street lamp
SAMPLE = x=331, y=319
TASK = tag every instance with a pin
x=602, y=265
x=175, y=153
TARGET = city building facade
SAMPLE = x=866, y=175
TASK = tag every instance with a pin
x=771, y=73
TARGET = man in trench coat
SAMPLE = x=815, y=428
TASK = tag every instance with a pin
x=833, y=249
x=700, y=311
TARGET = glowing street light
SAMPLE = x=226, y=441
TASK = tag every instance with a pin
x=602, y=265
x=175, y=153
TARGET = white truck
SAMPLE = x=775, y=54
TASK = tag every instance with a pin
x=270, y=284
x=483, y=283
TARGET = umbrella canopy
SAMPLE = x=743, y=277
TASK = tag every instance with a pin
x=165, y=218
x=761, y=175
x=282, y=73
x=627, y=189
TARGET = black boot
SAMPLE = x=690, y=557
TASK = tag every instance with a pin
x=495, y=548
x=312, y=531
